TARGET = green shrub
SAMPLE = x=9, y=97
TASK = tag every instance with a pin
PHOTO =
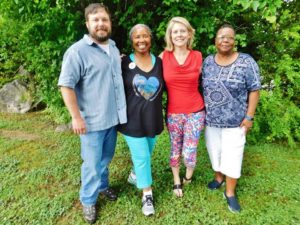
x=10, y=56
x=36, y=34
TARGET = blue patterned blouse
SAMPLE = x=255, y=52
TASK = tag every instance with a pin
x=226, y=89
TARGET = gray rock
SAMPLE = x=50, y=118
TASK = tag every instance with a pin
x=64, y=128
x=15, y=98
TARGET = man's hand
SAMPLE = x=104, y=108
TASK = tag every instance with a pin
x=70, y=100
x=78, y=126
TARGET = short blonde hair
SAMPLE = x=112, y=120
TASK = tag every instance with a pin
x=172, y=22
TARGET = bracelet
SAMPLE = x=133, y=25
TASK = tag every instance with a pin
x=249, y=118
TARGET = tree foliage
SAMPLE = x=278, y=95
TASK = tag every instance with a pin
x=36, y=33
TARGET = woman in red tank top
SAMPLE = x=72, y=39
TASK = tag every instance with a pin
x=185, y=110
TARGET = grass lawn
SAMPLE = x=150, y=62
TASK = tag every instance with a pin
x=40, y=180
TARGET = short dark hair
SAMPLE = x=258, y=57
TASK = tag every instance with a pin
x=226, y=25
x=139, y=25
x=93, y=8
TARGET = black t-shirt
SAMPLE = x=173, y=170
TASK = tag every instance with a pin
x=144, y=99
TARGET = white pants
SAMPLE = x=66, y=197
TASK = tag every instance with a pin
x=225, y=147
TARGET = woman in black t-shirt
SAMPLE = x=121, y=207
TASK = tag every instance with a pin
x=143, y=82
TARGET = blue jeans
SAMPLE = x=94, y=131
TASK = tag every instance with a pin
x=141, y=150
x=97, y=151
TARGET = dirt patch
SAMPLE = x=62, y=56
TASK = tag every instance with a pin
x=19, y=135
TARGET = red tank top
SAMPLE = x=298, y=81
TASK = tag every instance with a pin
x=182, y=82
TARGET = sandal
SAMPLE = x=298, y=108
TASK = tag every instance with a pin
x=186, y=180
x=177, y=189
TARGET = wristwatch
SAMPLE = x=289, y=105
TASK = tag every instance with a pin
x=249, y=118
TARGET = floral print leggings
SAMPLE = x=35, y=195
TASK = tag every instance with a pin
x=184, y=131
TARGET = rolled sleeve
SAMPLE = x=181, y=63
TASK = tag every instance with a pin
x=71, y=69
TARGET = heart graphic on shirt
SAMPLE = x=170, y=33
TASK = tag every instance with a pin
x=147, y=88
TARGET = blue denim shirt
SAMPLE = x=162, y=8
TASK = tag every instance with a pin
x=97, y=80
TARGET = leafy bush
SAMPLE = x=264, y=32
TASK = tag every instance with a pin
x=278, y=114
x=35, y=34
x=10, y=57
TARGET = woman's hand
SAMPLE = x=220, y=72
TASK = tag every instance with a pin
x=246, y=124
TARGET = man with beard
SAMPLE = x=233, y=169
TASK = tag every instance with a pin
x=92, y=89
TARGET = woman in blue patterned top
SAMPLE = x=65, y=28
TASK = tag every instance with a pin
x=231, y=86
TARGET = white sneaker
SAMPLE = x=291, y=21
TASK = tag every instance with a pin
x=132, y=178
x=148, y=208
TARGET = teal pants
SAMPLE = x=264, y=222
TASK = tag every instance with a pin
x=141, y=149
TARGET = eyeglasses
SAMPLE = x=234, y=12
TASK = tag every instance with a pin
x=228, y=38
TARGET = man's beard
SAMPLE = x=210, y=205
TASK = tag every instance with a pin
x=101, y=38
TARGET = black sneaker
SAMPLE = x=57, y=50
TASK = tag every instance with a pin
x=110, y=194
x=148, y=208
x=89, y=213
x=214, y=185
x=233, y=204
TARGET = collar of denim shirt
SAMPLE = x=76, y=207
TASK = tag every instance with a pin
x=89, y=41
